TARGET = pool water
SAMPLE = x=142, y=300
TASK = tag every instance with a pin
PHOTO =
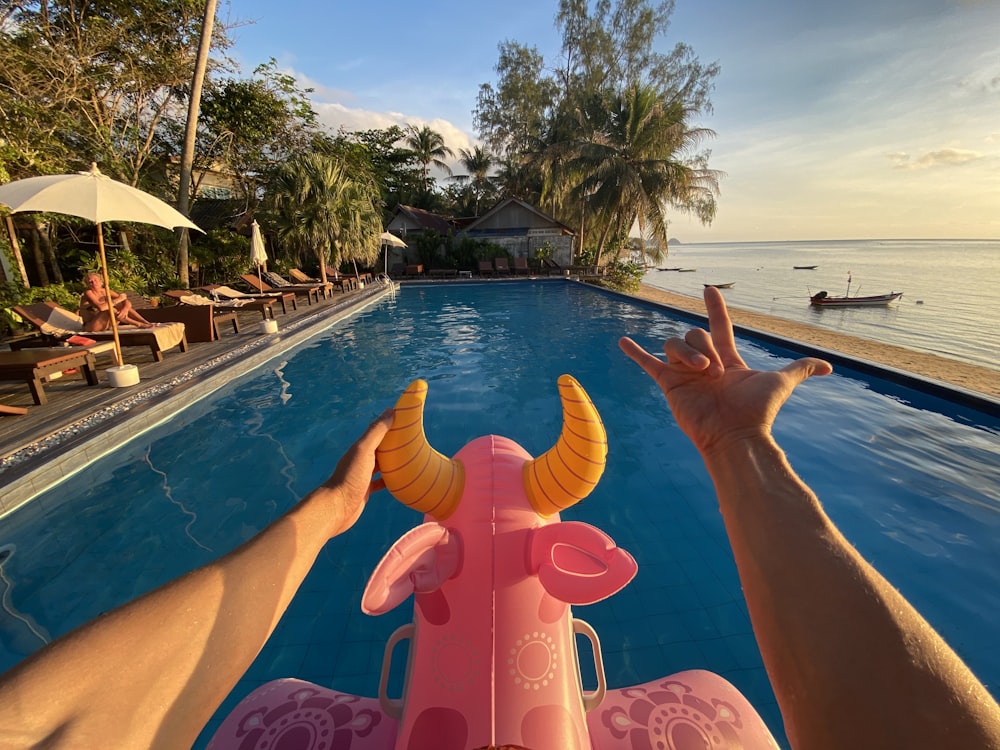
x=913, y=481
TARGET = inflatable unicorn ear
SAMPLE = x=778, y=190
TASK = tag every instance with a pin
x=423, y=479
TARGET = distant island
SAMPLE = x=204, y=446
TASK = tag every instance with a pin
x=674, y=241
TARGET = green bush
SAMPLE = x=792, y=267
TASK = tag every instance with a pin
x=624, y=275
x=12, y=294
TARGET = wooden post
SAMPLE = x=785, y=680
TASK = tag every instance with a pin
x=16, y=250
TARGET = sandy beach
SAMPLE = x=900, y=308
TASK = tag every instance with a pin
x=971, y=377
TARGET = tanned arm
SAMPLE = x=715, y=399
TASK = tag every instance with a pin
x=151, y=673
x=852, y=663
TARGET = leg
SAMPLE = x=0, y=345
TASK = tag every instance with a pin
x=37, y=389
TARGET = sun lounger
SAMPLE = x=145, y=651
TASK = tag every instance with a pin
x=342, y=281
x=310, y=291
x=34, y=366
x=280, y=282
x=502, y=266
x=300, y=278
x=521, y=266
x=485, y=268
x=56, y=324
x=264, y=302
x=201, y=321
x=550, y=267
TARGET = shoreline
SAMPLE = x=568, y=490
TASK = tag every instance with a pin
x=950, y=371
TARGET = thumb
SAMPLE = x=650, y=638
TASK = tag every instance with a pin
x=803, y=369
x=373, y=435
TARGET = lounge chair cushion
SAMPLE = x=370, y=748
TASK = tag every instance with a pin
x=274, y=279
x=62, y=323
x=228, y=291
x=195, y=299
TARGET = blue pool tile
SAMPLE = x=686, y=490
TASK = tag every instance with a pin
x=745, y=649
x=288, y=659
x=699, y=624
x=731, y=618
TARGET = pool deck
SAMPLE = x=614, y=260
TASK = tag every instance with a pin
x=58, y=439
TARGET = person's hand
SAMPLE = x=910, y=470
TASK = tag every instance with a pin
x=716, y=399
x=352, y=481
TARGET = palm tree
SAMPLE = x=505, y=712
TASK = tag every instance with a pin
x=319, y=208
x=477, y=163
x=428, y=148
x=637, y=162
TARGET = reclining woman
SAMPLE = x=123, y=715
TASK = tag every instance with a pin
x=94, y=307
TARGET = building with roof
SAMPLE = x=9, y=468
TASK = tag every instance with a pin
x=520, y=229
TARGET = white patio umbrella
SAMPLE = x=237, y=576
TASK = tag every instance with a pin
x=390, y=240
x=94, y=196
x=258, y=254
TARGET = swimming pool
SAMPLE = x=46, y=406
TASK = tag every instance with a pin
x=912, y=481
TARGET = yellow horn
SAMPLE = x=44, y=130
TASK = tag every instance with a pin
x=416, y=474
x=569, y=471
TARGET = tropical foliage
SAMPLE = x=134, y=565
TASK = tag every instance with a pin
x=321, y=210
x=604, y=137
x=607, y=140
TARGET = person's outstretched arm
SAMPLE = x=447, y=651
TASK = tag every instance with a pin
x=852, y=663
x=151, y=673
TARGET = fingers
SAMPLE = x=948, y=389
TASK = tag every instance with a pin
x=697, y=351
x=721, y=326
x=650, y=364
x=677, y=351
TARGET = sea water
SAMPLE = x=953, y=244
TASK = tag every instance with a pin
x=951, y=288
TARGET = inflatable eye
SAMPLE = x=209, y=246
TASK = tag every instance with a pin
x=568, y=472
x=414, y=473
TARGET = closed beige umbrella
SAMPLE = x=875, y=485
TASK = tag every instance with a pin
x=258, y=253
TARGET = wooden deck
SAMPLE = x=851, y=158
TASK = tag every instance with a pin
x=76, y=411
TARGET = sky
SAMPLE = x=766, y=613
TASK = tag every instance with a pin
x=852, y=119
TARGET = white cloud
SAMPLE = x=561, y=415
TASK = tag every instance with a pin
x=333, y=109
x=945, y=157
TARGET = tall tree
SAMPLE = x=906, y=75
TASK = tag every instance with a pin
x=478, y=161
x=318, y=208
x=97, y=81
x=550, y=127
x=255, y=124
x=633, y=168
x=429, y=148
x=190, y=131
x=512, y=116
x=380, y=153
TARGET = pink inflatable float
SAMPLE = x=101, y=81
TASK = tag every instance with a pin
x=492, y=656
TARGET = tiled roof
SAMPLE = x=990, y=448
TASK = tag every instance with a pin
x=426, y=219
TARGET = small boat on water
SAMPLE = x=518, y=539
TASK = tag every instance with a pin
x=822, y=299
x=687, y=270
x=669, y=269
x=727, y=285
x=805, y=268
